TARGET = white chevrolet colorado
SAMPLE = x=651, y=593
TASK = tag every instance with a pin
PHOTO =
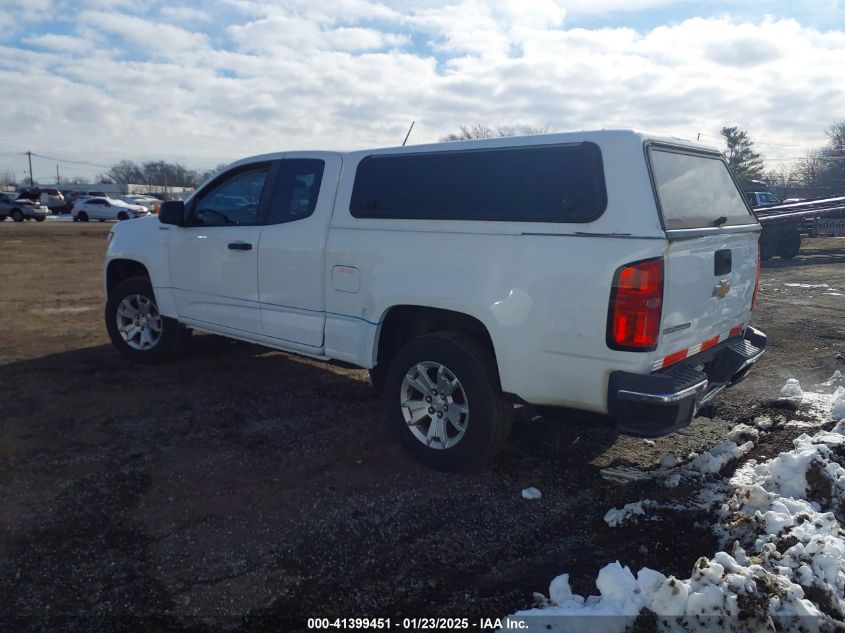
x=610, y=271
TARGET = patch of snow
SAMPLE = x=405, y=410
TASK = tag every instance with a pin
x=743, y=433
x=807, y=285
x=531, y=493
x=648, y=442
x=715, y=459
x=792, y=389
x=619, y=516
x=837, y=411
x=763, y=422
x=668, y=460
x=783, y=563
x=673, y=480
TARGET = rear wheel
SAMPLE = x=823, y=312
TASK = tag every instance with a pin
x=40, y=218
x=122, y=216
x=17, y=216
x=789, y=244
x=82, y=216
x=444, y=403
x=136, y=327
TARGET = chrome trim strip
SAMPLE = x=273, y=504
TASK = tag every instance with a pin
x=661, y=398
x=712, y=230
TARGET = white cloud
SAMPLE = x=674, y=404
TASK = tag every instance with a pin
x=61, y=43
x=299, y=75
x=185, y=14
x=159, y=38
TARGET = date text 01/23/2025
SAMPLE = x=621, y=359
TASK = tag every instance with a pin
x=416, y=624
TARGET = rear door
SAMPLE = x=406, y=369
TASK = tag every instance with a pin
x=291, y=256
x=712, y=250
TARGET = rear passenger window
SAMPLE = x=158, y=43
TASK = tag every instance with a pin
x=547, y=183
x=295, y=190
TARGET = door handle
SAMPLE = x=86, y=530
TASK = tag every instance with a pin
x=240, y=246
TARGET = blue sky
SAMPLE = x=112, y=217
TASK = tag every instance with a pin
x=204, y=83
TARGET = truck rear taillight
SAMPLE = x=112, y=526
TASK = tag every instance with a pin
x=756, y=282
x=636, y=303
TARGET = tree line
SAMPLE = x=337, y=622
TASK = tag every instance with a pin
x=157, y=173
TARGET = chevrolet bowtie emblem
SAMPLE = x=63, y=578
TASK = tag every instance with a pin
x=722, y=288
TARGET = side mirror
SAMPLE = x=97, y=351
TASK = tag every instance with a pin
x=172, y=212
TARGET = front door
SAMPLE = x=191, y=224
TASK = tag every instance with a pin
x=214, y=258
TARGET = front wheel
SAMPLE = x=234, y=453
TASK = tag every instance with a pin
x=444, y=402
x=40, y=218
x=122, y=216
x=82, y=216
x=137, y=329
x=17, y=216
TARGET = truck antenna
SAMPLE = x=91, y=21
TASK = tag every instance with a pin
x=408, y=134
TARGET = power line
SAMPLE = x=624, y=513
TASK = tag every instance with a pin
x=72, y=162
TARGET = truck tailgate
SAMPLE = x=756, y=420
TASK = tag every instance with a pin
x=709, y=283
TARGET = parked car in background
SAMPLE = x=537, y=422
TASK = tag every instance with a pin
x=149, y=202
x=103, y=208
x=20, y=209
x=757, y=199
x=50, y=197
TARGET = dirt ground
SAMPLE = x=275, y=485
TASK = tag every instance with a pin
x=240, y=488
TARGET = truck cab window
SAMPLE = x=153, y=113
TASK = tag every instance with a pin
x=295, y=190
x=232, y=202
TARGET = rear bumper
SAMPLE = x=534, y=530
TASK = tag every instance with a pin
x=657, y=404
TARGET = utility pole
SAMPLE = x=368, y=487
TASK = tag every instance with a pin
x=58, y=180
x=29, y=156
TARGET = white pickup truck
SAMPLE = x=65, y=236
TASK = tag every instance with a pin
x=610, y=271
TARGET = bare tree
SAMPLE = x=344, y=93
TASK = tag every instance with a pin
x=8, y=178
x=482, y=130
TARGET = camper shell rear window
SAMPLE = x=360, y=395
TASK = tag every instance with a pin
x=539, y=183
x=696, y=190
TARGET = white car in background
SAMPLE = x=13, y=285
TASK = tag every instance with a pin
x=103, y=208
x=150, y=203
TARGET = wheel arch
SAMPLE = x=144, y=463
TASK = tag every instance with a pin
x=120, y=269
x=401, y=323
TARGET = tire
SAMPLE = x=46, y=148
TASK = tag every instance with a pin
x=40, y=218
x=122, y=216
x=2, y=218
x=82, y=216
x=789, y=244
x=173, y=336
x=17, y=216
x=487, y=421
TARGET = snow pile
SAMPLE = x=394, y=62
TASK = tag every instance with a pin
x=763, y=422
x=792, y=389
x=531, y=493
x=837, y=412
x=715, y=459
x=744, y=433
x=619, y=516
x=785, y=570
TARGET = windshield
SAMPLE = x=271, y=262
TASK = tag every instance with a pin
x=696, y=191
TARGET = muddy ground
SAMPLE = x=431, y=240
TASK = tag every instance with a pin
x=244, y=489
